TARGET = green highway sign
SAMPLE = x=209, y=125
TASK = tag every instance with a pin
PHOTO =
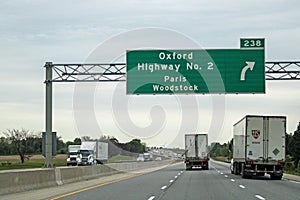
x=252, y=43
x=195, y=71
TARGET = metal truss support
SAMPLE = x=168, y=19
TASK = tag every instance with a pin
x=89, y=72
x=117, y=72
x=282, y=70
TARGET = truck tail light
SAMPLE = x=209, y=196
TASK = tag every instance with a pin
x=280, y=162
x=249, y=162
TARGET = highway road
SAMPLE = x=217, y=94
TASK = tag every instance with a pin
x=174, y=182
x=169, y=183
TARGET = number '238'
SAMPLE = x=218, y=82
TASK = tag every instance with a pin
x=252, y=43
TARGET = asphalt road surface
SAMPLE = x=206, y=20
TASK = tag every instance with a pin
x=174, y=182
x=171, y=182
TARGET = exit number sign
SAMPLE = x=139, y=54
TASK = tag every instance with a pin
x=258, y=43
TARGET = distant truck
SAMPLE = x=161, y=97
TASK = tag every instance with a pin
x=259, y=146
x=92, y=152
x=196, y=151
x=72, y=154
x=147, y=156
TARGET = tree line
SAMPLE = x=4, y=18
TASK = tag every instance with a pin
x=24, y=143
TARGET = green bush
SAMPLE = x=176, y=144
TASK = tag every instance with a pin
x=298, y=168
x=289, y=166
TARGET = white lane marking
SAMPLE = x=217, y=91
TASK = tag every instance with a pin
x=151, y=198
x=232, y=180
x=241, y=186
x=171, y=181
x=226, y=176
x=222, y=173
x=259, y=197
x=181, y=171
x=176, y=176
x=294, y=182
x=163, y=187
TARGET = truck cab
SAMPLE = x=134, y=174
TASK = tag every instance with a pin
x=72, y=155
x=85, y=157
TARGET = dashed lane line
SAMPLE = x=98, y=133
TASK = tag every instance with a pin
x=151, y=198
x=163, y=187
x=259, y=197
x=241, y=186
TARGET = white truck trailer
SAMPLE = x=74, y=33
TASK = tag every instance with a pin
x=196, y=151
x=92, y=152
x=72, y=154
x=259, y=146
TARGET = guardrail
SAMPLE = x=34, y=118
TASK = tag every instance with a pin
x=12, y=181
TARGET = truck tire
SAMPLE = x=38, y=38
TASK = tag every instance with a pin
x=207, y=167
x=244, y=174
x=188, y=167
x=236, y=169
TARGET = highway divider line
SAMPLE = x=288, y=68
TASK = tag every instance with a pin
x=259, y=197
x=292, y=181
x=151, y=198
x=241, y=186
x=109, y=182
x=95, y=186
x=163, y=187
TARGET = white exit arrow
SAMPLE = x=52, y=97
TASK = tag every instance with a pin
x=250, y=65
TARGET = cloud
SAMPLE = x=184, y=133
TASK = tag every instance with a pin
x=33, y=32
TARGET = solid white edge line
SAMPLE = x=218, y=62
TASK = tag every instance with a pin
x=293, y=181
x=163, y=187
x=259, y=197
x=241, y=186
x=151, y=198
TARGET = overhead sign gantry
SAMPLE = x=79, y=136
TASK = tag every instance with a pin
x=244, y=72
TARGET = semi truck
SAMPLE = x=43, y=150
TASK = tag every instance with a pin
x=147, y=156
x=196, y=151
x=92, y=152
x=72, y=154
x=259, y=146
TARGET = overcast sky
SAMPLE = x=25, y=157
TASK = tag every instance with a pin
x=35, y=31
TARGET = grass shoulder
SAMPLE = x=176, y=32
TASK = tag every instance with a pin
x=33, y=161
